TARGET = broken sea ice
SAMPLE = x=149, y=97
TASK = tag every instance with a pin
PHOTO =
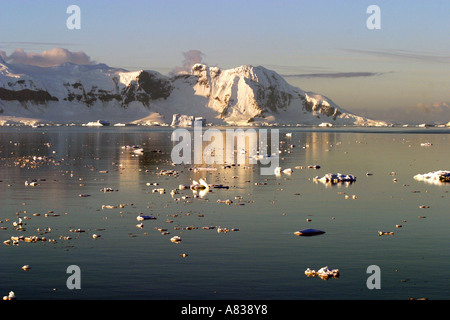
x=336, y=178
x=323, y=273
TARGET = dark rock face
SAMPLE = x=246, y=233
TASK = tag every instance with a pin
x=153, y=85
x=25, y=95
x=149, y=86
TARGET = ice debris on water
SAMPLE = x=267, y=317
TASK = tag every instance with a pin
x=140, y=218
x=336, y=178
x=278, y=171
x=32, y=183
x=10, y=296
x=384, y=233
x=323, y=273
x=200, y=185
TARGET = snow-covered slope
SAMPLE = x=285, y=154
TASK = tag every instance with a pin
x=244, y=95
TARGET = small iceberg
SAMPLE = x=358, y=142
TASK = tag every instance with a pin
x=140, y=218
x=32, y=183
x=200, y=185
x=10, y=296
x=309, y=232
x=435, y=177
x=98, y=123
x=323, y=273
x=278, y=171
x=336, y=178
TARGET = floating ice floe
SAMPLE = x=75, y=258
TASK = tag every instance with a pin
x=384, y=233
x=336, y=178
x=323, y=273
x=84, y=195
x=140, y=218
x=326, y=124
x=108, y=206
x=32, y=183
x=201, y=184
x=224, y=230
x=309, y=232
x=435, y=177
x=10, y=296
x=159, y=190
x=278, y=171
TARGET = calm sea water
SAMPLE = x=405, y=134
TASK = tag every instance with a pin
x=264, y=259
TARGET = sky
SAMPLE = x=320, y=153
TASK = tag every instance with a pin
x=397, y=72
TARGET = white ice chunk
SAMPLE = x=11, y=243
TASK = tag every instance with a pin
x=435, y=177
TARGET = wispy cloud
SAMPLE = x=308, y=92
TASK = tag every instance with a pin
x=402, y=54
x=334, y=75
x=47, y=58
x=33, y=44
x=435, y=112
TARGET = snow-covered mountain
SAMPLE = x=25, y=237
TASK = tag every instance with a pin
x=246, y=95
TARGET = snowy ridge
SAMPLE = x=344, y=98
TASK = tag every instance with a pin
x=245, y=95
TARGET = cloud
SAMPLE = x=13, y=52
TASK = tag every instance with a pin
x=440, y=107
x=191, y=57
x=403, y=54
x=49, y=58
x=334, y=75
x=34, y=45
x=432, y=112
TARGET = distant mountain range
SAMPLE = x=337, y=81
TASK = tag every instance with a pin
x=246, y=95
